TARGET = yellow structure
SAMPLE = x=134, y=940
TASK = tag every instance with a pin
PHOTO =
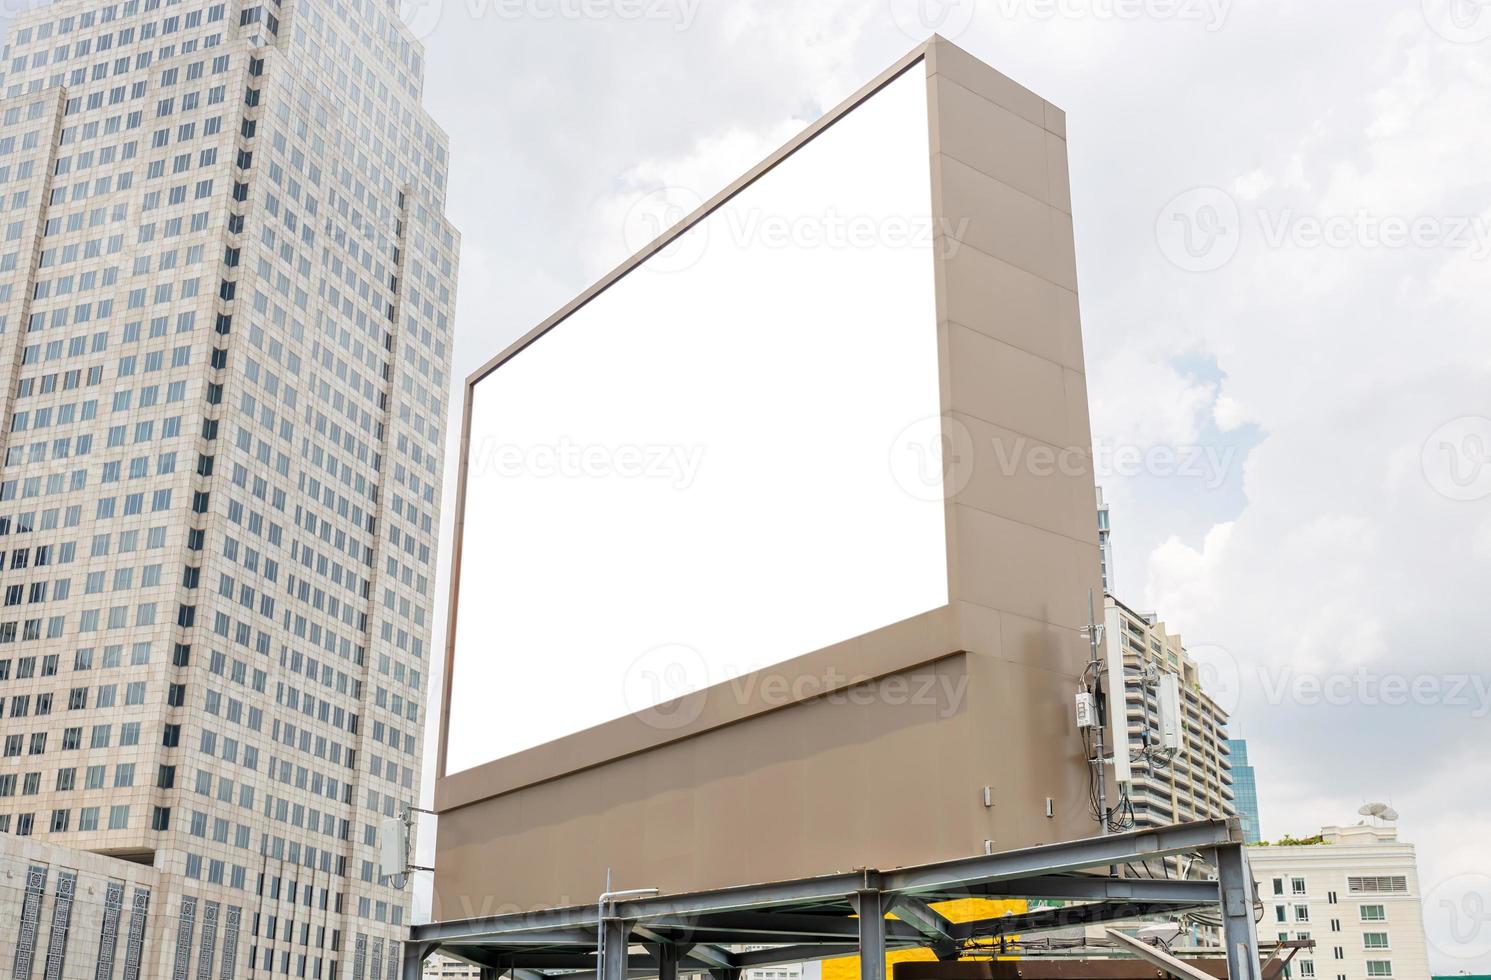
x=959, y=910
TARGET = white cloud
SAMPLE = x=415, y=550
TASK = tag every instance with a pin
x=1140, y=399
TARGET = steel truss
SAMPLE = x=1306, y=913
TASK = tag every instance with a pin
x=846, y=914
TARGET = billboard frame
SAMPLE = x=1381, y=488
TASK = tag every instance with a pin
x=678, y=807
x=632, y=263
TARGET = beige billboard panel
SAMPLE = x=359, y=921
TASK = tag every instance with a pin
x=874, y=751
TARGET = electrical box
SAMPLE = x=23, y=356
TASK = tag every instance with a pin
x=1170, y=720
x=393, y=847
x=1087, y=710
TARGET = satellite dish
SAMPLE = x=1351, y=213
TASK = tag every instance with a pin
x=1372, y=809
x=1389, y=814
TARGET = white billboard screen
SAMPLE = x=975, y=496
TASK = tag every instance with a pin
x=689, y=478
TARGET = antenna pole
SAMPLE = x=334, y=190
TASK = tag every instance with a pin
x=1095, y=665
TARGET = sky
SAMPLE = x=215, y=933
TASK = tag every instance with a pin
x=1283, y=226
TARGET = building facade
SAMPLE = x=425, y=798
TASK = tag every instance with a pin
x=1245, y=789
x=445, y=968
x=1194, y=780
x=226, y=285
x=1355, y=893
x=1191, y=780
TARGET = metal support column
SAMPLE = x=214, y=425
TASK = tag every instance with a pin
x=870, y=907
x=618, y=934
x=1239, y=929
x=414, y=959
x=667, y=961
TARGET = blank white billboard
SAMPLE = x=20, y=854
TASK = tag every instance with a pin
x=689, y=478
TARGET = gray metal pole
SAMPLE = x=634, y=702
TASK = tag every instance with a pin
x=1239, y=930
x=614, y=954
x=870, y=905
x=414, y=959
x=1094, y=684
x=667, y=961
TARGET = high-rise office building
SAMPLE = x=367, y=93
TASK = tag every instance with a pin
x=226, y=285
x=1244, y=788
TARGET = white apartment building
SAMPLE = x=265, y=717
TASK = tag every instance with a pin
x=1356, y=894
x=226, y=286
x=1191, y=781
x=445, y=968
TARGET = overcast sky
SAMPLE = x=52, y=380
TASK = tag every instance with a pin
x=1282, y=232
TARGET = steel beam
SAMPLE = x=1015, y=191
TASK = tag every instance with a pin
x=958, y=877
x=1159, y=958
x=936, y=931
x=808, y=953
x=613, y=959
x=870, y=904
x=583, y=938
x=1046, y=920
x=667, y=958
x=414, y=960
x=712, y=956
x=1239, y=929
x=763, y=927
x=1045, y=859
x=1093, y=888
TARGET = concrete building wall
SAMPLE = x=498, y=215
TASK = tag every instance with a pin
x=71, y=911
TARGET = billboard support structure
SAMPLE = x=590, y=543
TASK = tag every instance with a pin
x=834, y=916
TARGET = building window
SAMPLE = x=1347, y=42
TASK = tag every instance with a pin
x=1379, y=968
x=1297, y=886
x=1302, y=913
x=1379, y=883
x=1374, y=913
x=1375, y=940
